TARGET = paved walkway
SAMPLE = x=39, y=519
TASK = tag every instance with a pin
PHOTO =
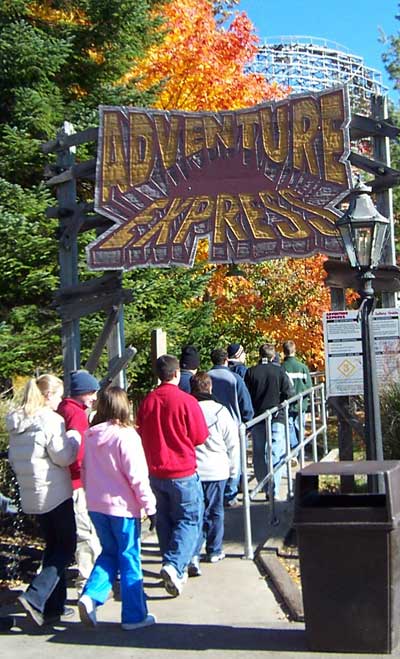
x=230, y=611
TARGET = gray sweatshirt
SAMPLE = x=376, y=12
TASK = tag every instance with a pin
x=218, y=457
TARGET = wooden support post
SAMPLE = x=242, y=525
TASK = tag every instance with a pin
x=384, y=198
x=68, y=257
x=158, y=347
x=345, y=432
x=116, y=349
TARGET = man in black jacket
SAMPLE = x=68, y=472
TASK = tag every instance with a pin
x=269, y=386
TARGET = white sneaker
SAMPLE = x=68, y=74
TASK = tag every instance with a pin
x=172, y=583
x=146, y=622
x=87, y=611
x=214, y=558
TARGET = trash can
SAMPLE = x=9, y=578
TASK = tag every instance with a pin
x=349, y=550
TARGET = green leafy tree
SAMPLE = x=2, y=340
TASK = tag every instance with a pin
x=58, y=61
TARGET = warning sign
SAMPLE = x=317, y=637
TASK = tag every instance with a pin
x=343, y=350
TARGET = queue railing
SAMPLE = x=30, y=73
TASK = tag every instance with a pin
x=311, y=402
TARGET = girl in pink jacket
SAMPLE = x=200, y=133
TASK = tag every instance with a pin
x=116, y=482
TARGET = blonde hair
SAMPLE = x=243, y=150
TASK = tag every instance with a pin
x=36, y=390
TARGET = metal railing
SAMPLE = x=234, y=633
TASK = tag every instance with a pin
x=317, y=426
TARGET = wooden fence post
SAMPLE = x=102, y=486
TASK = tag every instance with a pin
x=158, y=347
x=68, y=255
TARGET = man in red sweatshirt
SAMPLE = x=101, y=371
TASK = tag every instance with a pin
x=74, y=409
x=171, y=424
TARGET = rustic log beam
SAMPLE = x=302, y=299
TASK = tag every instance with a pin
x=117, y=365
x=372, y=166
x=109, y=281
x=65, y=211
x=88, y=305
x=88, y=135
x=94, y=357
x=68, y=259
x=85, y=170
x=382, y=183
x=361, y=126
x=96, y=222
x=340, y=274
x=76, y=219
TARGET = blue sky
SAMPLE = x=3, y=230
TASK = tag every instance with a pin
x=356, y=24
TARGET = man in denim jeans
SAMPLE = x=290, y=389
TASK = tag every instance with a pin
x=171, y=424
x=300, y=377
x=269, y=386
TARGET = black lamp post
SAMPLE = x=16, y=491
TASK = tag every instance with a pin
x=363, y=230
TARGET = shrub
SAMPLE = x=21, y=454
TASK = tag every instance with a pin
x=7, y=480
x=390, y=413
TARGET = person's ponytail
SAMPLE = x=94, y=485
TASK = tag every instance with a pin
x=36, y=390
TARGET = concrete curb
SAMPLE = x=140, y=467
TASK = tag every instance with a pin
x=268, y=562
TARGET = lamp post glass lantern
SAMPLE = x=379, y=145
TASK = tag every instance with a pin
x=363, y=230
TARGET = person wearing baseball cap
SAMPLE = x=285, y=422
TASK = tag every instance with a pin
x=75, y=409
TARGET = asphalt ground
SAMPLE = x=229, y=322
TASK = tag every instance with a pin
x=232, y=611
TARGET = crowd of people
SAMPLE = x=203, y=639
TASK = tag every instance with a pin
x=90, y=472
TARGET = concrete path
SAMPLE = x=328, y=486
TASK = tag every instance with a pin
x=230, y=611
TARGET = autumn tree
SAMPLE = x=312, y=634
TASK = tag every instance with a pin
x=272, y=301
x=201, y=64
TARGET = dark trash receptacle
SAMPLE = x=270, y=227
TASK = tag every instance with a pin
x=349, y=549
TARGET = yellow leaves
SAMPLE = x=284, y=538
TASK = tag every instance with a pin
x=96, y=56
x=44, y=11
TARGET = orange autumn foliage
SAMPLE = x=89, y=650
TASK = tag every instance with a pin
x=273, y=301
x=201, y=65
x=280, y=299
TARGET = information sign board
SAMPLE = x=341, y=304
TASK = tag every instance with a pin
x=343, y=350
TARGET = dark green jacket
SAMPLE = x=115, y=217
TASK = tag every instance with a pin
x=299, y=376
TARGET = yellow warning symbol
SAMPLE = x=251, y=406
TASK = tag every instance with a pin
x=346, y=368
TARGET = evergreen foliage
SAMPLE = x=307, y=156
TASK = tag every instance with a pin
x=390, y=415
x=58, y=61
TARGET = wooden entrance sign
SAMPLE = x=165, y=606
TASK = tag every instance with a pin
x=260, y=183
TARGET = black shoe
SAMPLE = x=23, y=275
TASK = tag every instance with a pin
x=6, y=623
x=52, y=618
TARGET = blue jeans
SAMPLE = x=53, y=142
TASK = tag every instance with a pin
x=213, y=518
x=294, y=428
x=179, y=518
x=48, y=590
x=120, y=550
x=231, y=488
x=260, y=451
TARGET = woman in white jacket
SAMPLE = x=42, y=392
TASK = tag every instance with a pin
x=39, y=453
x=217, y=460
